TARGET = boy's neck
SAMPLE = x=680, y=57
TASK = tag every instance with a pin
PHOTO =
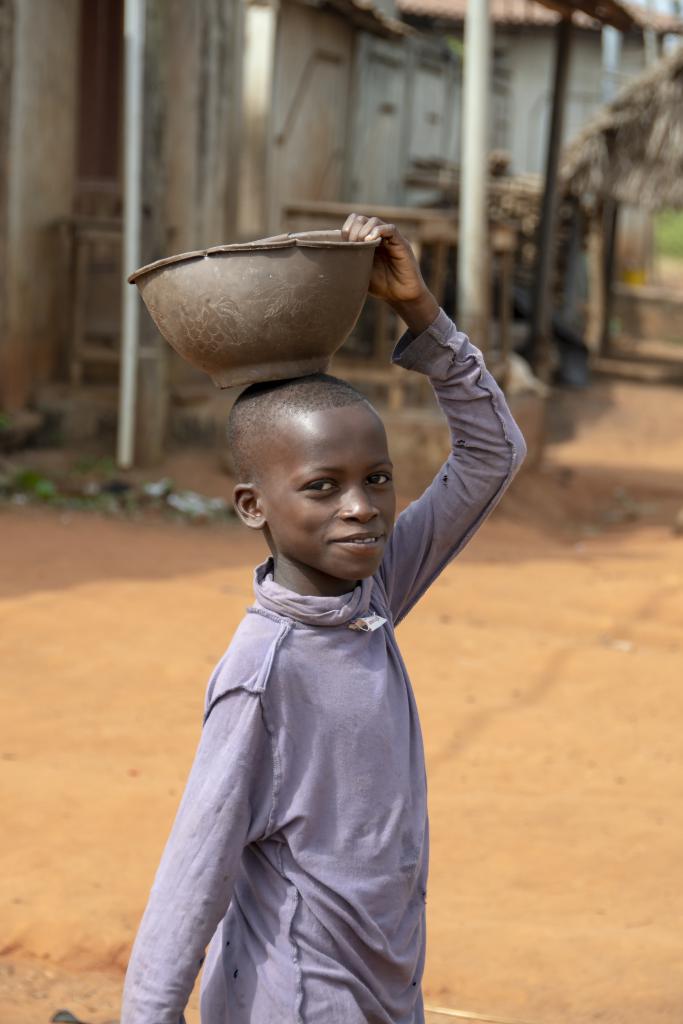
x=307, y=581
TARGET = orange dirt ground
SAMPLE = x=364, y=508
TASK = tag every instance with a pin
x=548, y=667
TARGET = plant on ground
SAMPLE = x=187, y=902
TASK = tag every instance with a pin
x=669, y=234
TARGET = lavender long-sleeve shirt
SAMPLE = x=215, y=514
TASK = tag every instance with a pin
x=300, y=846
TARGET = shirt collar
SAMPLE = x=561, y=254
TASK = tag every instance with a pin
x=314, y=611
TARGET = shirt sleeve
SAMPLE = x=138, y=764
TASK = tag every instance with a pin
x=225, y=806
x=487, y=448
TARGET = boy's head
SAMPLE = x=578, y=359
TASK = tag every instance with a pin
x=314, y=474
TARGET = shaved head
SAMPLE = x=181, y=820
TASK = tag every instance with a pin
x=260, y=410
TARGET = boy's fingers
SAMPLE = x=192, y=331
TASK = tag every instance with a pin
x=385, y=231
x=370, y=225
x=348, y=224
x=356, y=227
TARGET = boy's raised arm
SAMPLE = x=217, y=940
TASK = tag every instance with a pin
x=226, y=805
x=487, y=446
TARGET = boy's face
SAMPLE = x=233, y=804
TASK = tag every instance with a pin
x=325, y=498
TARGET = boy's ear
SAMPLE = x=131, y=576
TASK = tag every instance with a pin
x=247, y=502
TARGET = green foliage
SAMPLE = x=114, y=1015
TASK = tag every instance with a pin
x=95, y=465
x=669, y=234
x=28, y=482
x=456, y=46
x=111, y=497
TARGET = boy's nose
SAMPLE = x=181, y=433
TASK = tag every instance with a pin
x=359, y=507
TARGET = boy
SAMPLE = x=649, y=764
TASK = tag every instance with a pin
x=300, y=845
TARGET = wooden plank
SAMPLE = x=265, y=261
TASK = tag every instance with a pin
x=414, y=214
x=434, y=224
x=82, y=256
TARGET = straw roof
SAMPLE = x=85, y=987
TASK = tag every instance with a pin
x=632, y=150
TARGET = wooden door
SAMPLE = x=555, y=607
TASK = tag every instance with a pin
x=310, y=105
x=376, y=157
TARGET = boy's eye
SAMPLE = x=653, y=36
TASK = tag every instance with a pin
x=320, y=485
x=380, y=478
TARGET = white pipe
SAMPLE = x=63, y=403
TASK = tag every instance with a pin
x=473, y=274
x=134, y=41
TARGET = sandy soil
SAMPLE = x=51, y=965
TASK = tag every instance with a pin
x=547, y=664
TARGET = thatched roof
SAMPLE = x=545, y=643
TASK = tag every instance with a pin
x=632, y=150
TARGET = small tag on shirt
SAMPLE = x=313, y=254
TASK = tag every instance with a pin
x=368, y=624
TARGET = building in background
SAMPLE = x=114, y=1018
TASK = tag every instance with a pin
x=523, y=61
x=250, y=107
x=247, y=106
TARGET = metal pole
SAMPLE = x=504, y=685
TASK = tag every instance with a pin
x=650, y=36
x=540, y=317
x=611, y=59
x=473, y=268
x=134, y=40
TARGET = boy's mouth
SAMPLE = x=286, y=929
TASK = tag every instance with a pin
x=360, y=540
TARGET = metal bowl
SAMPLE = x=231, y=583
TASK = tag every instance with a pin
x=278, y=307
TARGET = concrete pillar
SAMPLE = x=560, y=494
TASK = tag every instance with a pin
x=260, y=35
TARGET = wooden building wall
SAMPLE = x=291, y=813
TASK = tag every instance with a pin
x=528, y=56
x=310, y=111
x=352, y=111
x=38, y=149
x=406, y=114
x=345, y=114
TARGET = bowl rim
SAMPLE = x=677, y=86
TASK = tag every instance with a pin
x=318, y=239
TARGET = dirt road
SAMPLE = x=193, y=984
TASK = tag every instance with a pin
x=547, y=664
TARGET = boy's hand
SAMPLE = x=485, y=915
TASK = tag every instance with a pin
x=396, y=276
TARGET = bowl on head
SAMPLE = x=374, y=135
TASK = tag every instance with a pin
x=278, y=307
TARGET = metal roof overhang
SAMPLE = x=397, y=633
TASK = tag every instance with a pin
x=608, y=12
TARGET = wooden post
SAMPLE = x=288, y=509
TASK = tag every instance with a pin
x=473, y=250
x=6, y=62
x=610, y=228
x=506, y=312
x=542, y=304
x=152, y=390
x=596, y=285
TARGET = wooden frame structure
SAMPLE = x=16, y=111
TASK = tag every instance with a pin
x=608, y=12
x=438, y=231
